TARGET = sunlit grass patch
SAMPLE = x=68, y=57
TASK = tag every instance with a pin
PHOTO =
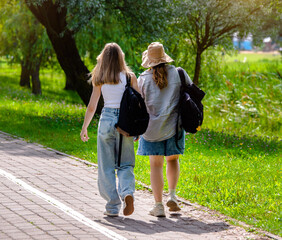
x=245, y=99
x=253, y=56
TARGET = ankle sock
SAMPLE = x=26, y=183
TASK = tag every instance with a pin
x=172, y=192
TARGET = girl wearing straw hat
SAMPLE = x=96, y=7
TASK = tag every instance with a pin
x=160, y=88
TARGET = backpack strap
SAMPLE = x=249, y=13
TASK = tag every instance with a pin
x=128, y=80
x=119, y=149
x=182, y=78
x=128, y=83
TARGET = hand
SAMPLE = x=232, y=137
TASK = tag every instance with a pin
x=83, y=135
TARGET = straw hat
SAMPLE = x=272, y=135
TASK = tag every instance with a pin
x=154, y=55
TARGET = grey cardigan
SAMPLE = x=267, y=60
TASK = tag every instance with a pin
x=161, y=104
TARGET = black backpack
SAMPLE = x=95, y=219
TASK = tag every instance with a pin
x=133, y=116
x=190, y=105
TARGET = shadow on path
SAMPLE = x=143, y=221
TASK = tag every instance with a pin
x=161, y=225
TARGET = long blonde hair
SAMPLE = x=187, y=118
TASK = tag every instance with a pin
x=110, y=63
x=160, y=75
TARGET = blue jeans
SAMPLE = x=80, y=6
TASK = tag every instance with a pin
x=108, y=145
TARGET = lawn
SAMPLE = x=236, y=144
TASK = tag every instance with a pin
x=245, y=56
x=232, y=165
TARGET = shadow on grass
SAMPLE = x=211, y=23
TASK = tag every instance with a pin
x=12, y=82
x=49, y=93
x=72, y=96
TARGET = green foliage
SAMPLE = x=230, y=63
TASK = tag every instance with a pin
x=22, y=38
x=64, y=19
x=92, y=39
x=80, y=12
x=209, y=22
x=245, y=98
x=145, y=20
x=142, y=19
x=212, y=59
x=121, y=23
x=269, y=23
x=204, y=24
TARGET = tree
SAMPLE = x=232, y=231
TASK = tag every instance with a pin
x=269, y=23
x=206, y=23
x=63, y=19
x=91, y=39
x=23, y=38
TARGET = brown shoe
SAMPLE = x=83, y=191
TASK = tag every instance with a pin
x=128, y=205
x=172, y=203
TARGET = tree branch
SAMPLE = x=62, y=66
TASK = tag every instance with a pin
x=35, y=12
x=40, y=12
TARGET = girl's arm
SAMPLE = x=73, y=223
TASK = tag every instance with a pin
x=90, y=111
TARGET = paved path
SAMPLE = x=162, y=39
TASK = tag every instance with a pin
x=46, y=195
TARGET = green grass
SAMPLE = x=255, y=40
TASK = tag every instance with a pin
x=245, y=98
x=233, y=165
x=253, y=57
x=240, y=177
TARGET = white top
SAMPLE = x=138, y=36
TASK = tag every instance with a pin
x=112, y=93
x=161, y=104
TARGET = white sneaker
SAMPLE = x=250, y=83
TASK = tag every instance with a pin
x=128, y=205
x=158, y=211
x=172, y=203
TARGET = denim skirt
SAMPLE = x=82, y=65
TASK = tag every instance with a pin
x=166, y=147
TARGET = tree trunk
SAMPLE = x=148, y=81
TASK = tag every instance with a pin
x=65, y=48
x=25, y=75
x=69, y=85
x=197, y=67
x=70, y=61
x=239, y=45
x=74, y=68
x=36, y=85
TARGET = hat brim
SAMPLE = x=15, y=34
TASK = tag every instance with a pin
x=146, y=63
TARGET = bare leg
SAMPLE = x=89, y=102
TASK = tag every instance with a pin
x=157, y=181
x=172, y=171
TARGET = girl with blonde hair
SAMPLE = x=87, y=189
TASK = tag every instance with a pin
x=109, y=78
x=160, y=88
